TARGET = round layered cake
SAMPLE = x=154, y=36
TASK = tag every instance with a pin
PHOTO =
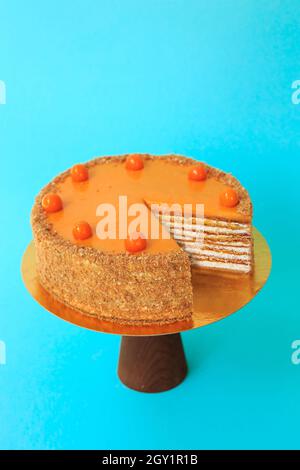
x=96, y=249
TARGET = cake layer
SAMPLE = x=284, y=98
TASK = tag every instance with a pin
x=191, y=247
x=205, y=225
x=232, y=267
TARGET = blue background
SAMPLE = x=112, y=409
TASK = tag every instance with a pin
x=209, y=79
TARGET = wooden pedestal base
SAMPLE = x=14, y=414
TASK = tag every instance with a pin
x=152, y=363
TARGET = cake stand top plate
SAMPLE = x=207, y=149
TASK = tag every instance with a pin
x=216, y=296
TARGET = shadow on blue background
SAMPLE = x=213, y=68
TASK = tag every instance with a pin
x=210, y=80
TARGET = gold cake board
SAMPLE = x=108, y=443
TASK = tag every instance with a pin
x=161, y=363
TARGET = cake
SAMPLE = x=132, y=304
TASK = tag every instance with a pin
x=92, y=252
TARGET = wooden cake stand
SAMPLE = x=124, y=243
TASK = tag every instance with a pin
x=152, y=357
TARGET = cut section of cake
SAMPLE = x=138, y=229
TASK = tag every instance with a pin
x=98, y=265
x=212, y=243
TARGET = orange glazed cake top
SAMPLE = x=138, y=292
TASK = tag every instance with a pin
x=166, y=179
